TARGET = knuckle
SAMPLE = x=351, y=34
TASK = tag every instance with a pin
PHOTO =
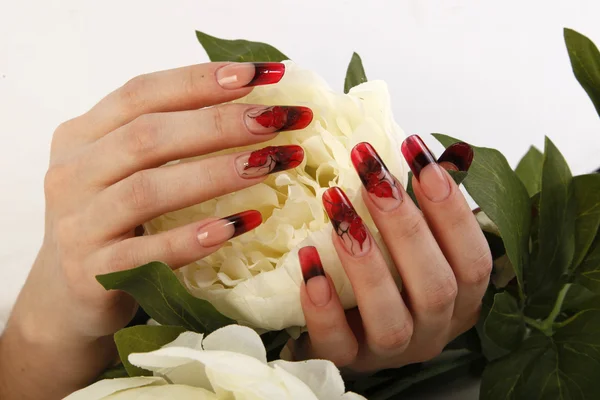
x=56, y=179
x=131, y=94
x=479, y=269
x=395, y=338
x=217, y=119
x=141, y=193
x=440, y=295
x=142, y=137
x=411, y=226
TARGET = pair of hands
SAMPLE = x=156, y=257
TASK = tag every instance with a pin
x=104, y=181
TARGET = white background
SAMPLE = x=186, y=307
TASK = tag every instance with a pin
x=491, y=73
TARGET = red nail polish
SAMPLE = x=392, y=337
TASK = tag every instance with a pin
x=244, y=221
x=283, y=118
x=417, y=154
x=267, y=73
x=269, y=160
x=459, y=154
x=375, y=176
x=310, y=262
x=346, y=222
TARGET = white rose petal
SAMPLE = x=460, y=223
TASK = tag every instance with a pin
x=255, y=278
x=230, y=363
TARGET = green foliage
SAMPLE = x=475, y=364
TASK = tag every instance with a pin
x=355, y=74
x=156, y=288
x=142, y=339
x=238, y=50
x=585, y=61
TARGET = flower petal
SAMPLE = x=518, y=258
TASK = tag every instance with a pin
x=107, y=387
x=176, y=392
x=321, y=376
x=238, y=339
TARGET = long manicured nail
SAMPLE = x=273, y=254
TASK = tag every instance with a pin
x=269, y=160
x=239, y=75
x=265, y=120
x=457, y=157
x=430, y=175
x=317, y=285
x=346, y=222
x=221, y=230
x=377, y=179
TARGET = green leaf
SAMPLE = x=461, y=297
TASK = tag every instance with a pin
x=585, y=60
x=142, y=339
x=118, y=371
x=588, y=273
x=502, y=196
x=457, y=176
x=556, y=234
x=586, y=190
x=156, y=288
x=239, y=50
x=529, y=170
x=355, y=74
x=564, y=366
x=505, y=325
x=489, y=349
x=442, y=365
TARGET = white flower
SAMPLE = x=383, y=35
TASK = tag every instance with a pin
x=255, y=279
x=230, y=363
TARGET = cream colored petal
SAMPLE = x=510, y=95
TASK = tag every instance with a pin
x=175, y=392
x=321, y=376
x=238, y=339
x=106, y=387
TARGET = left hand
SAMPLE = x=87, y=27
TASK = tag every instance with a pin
x=440, y=253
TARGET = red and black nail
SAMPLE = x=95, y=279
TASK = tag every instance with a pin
x=244, y=221
x=346, y=222
x=417, y=154
x=459, y=155
x=267, y=73
x=269, y=160
x=239, y=75
x=310, y=263
x=278, y=118
x=375, y=176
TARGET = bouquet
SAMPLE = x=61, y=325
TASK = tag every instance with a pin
x=219, y=325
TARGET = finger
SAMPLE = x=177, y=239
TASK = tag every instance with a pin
x=154, y=139
x=452, y=223
x=387, y=322
x=150, y=193
x=428, y=281
x=178, y=89
x=177, y=247
x=330, y=337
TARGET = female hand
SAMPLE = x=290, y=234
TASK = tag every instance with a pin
x=104, y=181
x=440, y=253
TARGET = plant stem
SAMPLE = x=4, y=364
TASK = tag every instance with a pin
x=546, y=326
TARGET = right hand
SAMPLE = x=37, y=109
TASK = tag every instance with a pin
x=104, y=181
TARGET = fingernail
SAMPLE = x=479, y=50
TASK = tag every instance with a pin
x=457, y=157
x=430, y=175
x=269, y=160
x=317, y=285
x=265, y=120
x=346, y=222
x=223, y=229
x=239, y=75
x=377, y=179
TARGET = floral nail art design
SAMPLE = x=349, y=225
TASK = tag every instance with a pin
x=346, y=222
x=375, y=176
x=269, y=160
x=281, y=118
x=459, y=154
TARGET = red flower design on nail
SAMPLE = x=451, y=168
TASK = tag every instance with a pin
x=344, y=217
x=372, y=171
x=275, y=158
x=283, y=118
